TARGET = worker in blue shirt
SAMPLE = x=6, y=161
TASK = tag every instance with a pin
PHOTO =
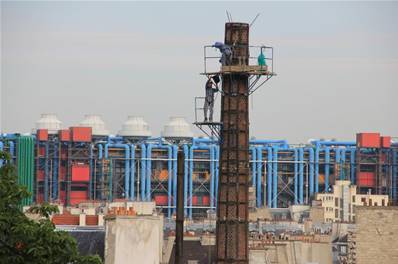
x=226, y=53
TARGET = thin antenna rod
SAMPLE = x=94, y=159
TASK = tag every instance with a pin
x=254, y=19
x=229, y=19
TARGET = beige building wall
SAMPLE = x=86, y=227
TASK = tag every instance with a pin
x=133, y=239
x=339, y=206
x=375, y=238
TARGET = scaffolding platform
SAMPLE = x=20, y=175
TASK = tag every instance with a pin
x=243, y=69
x=211, y=129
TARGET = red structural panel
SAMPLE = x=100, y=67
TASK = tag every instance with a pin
x=64, y=135
x=80, y=172
x=77, y=197
x=385, y=142
x=42, y=151
x=368, y=140
x=42, y=134
x=161, y=199
x=81, y=134
x=206, y=200
x=194, y=200
x=40, y=175
x=366, y=179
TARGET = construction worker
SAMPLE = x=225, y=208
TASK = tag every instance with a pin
x=211, y=88
x=226, y=53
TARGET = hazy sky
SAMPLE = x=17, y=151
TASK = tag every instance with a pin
x=337, y=64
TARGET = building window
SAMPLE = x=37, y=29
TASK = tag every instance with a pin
x=336, y=213
x=375, y=203
x=370, y=202
x=353, y=198
x=363, y=200
x=336, y=202
x=383, y=203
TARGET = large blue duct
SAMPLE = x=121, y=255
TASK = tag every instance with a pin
x=327, y=168
x=296, y=158
x=175, y=165
x=55, y=173
x=253, y=151
x=143, y=171
x=132, y=172
x=269, y=176
x=258, y=160
x=186, y=167
x=311, y=176
x=275, y=177
x=301, y=175
x=319, y=143
x=217, y=156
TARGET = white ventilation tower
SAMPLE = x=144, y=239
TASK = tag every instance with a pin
x=96, y=123
x=135, y=126
x=49, y=122
x=177, y=127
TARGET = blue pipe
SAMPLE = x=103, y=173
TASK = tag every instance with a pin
x=143, y=171
x=55, y=173
x=212, y=180
x=259, y=163
x=311, y=178
x=217, y=156
x=275, y=178
x=186, y=158
x=253, y=165
x=270, y=142
x=327, y=168
x=90, y=185
x=195, y=147
x=295, y=176
x=175, y=167
x=317, y=150
x=132, y=172
x=319, y=143
x=46, y=172
x=126, y=164
x=196, y=141
x=301, y=175
x=269, y=176
x=169, y=170
x=352, y=163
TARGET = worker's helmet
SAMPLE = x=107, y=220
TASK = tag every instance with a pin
x=218, y=45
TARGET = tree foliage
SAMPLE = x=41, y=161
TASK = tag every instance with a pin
x=23, y=240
